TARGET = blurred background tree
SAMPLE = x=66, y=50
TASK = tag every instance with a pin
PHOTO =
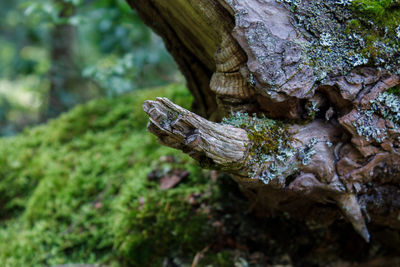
x=55, y=54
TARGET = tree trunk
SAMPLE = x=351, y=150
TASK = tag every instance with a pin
x=326, y=129
x=67, y=86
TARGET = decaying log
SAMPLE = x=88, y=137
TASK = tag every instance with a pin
x=279, y=59
x=319, y=179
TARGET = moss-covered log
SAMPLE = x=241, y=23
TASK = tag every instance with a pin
x=321, y=78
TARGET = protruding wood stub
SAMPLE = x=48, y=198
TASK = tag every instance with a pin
x=179, y=128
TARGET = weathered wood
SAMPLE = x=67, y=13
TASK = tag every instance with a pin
x=213, y=144
x=275, y=58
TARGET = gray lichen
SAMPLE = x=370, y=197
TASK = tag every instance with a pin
x=312, y=108
x=366, y=127
x=270, y=144
x=305, y=153
x=272, y=154
x=342, y=37
x=385, y=106
x=388, y=106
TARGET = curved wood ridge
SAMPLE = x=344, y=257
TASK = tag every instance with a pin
x=191, y=31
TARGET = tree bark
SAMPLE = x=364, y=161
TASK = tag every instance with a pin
x=256, y=57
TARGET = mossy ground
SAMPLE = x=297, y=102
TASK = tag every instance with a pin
x=75, y=190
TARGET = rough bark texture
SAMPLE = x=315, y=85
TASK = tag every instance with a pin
x=255, y=56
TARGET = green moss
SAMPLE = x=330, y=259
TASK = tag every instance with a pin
x=163, y=225
x=75, y=190
x=377, y=22
x=222, y=259
x=379, y=11
x=394, y=90
x=270, y=142
x=267, y=136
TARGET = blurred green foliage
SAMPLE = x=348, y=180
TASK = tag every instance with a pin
x=75, y=190
x=112, y=49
